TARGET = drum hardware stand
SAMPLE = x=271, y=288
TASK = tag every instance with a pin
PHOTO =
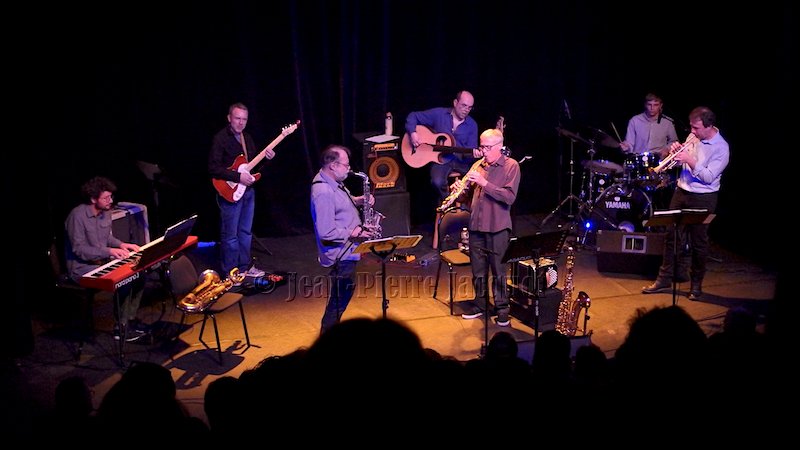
x=569, y=199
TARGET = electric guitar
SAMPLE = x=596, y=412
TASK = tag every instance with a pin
x=233, y=191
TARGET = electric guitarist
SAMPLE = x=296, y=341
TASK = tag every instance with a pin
x=232, y=158
x=453, y=121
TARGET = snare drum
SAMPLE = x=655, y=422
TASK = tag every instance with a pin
x=638, y=170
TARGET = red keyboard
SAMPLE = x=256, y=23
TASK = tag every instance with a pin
x=115, y=274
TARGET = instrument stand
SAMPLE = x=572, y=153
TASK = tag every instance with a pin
x=383, y=248
x=569, y=199
x=676, y=218
x=260, y=245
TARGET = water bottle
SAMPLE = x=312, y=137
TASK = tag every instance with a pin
x=463, y=245
x=388, y=124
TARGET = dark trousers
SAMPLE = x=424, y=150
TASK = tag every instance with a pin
x=695, y=236
x=342, y=285
x=482, y=261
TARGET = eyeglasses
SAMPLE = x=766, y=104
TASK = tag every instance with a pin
x=106, y=197
x=484, y=148
x=346, y=165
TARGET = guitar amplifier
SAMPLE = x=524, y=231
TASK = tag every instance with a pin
x=383, y=163
x=533, y=278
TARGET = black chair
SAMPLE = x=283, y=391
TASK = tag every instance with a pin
x=183, y=278
x=450, y=224
x=72, y=296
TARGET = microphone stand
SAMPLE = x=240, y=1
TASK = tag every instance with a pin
x=485, y=253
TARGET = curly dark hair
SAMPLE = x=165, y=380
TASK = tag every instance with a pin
x=96, y=186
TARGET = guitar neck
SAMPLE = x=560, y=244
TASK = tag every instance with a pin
x=254, y=162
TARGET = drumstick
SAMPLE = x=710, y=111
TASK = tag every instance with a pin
x=615, y=131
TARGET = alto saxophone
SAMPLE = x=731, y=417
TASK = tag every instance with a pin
x=569, y=310
x=372, y=218
x=465, y=184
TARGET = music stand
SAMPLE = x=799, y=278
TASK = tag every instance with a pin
x=383, y=248
x=539, y=245
x=676, y=217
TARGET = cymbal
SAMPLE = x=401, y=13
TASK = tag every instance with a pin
x=603, y=138
x=571, y=135
x=602, y=166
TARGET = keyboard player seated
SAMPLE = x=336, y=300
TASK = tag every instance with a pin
x=92, y=244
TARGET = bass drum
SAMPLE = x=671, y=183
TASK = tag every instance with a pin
x=622, y=207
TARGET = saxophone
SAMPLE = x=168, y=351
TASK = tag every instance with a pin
x=209, y=290
x=372, y=218
x=465, y=184
x=569, y=310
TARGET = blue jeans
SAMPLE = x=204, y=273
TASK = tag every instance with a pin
x=342, y=285
x=235, y=234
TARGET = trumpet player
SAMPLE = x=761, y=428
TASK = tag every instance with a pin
x=337, y=224
x=702, y=163
x=494, y=185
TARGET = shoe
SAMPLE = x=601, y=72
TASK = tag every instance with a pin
x=659, y=285
x=695, y=292
x=254, y=272
x=471, y=316
x=502, y=322
x=133, y=334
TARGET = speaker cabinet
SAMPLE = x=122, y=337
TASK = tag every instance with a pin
x=130, y=223
x=523, y=307
x=383, y=163
x=396, y=207
x=629, y=252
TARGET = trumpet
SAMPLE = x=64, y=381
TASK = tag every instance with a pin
x=669, y=162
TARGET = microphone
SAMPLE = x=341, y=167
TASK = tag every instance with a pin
x=566, y=110
x=525, y=158
x=659, y=118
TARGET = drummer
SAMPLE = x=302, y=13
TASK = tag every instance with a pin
x=650, y=131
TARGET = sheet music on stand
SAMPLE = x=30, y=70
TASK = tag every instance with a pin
x=382, y=248
x=535, y=246
x=687, y=216
x=675, y=218
x=389, y=244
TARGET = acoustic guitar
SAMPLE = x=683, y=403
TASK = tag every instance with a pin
x=434, y=145
x=431, y=148
x=233, y=191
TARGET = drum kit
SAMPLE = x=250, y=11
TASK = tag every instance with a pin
x=616, y=187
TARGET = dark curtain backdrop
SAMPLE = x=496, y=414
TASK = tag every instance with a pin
x=153, y=83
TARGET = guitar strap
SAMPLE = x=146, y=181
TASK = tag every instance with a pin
x=244, y=146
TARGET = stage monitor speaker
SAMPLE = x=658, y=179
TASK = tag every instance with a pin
x=629, y=252
x=396, y=207
x=130, y=223
x=523, y=307
x=384, y=165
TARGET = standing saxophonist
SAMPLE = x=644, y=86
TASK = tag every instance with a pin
x=702, y=164
x=337, y=224
x=494, y=186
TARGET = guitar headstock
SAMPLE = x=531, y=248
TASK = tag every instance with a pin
x=501, y=124
x=289, y=129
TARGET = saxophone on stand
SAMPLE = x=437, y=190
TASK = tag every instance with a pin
x=371, y=218
x=569, y=310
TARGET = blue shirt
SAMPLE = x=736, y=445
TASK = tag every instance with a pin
x=335, y=216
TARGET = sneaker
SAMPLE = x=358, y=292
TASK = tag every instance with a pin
x=471, y=316
x=660, y=285
x=254, y=272
x=502, y=322
x=133, y=334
